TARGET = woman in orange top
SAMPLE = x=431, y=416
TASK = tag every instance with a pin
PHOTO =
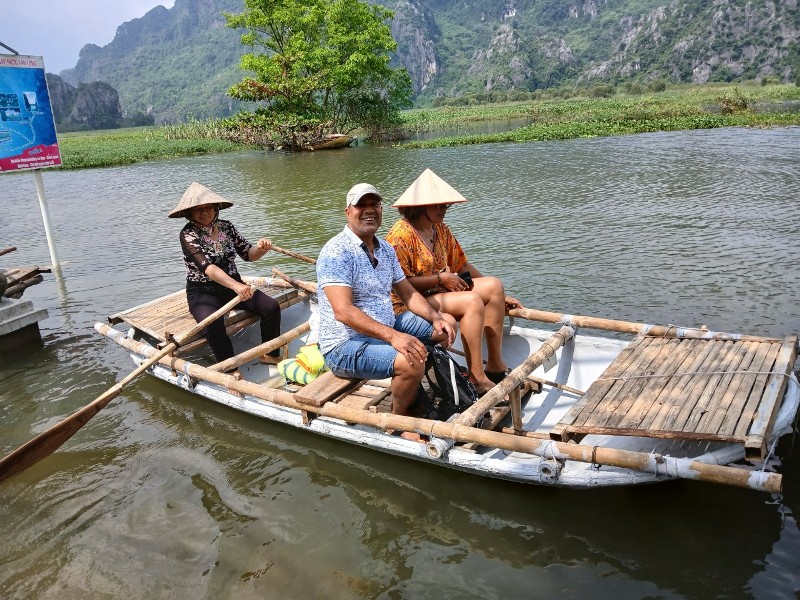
x=435, y=265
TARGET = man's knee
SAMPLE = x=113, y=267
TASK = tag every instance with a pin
x=410, y=370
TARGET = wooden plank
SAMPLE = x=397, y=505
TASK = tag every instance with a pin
x=598, y=389
x=761, y=361
x=640, y=397
x=720, y=364
x=608, y=384
x=756, y=392
x=324, y=388
x=356, y=401
x=372, y=391
x=700, y=386
x=120, y=316
x=170, y=313
x=670, y=398
x=624, y=388
x=654, y=433
x=755, y=445
x=364, y=396
x=722, y=403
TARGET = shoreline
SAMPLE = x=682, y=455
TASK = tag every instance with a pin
x=676, y=109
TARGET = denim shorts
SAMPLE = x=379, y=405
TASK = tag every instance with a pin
x=364, y=357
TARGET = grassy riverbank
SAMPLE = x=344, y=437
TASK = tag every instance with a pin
x=678, y=108
x=682, y=108
x=114, y=147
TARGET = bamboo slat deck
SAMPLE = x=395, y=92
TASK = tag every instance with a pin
x=170, y=316
x=695, y=389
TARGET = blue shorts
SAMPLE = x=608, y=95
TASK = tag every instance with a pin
x=364, y=357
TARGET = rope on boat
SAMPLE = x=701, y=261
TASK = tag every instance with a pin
x=627, y=378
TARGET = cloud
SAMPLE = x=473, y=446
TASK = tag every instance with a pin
x=58, y=30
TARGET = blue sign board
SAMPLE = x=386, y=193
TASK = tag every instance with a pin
x=27, y=130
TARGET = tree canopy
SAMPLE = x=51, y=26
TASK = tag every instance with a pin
x=320, y=66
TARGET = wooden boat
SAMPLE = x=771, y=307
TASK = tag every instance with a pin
x=577, y=410
x=331, y=141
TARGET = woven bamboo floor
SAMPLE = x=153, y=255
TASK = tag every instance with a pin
x=692, y=389
x=170, y=315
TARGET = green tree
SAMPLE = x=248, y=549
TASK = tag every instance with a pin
x=320, y=66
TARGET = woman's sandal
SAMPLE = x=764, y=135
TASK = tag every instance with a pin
x=497, y=376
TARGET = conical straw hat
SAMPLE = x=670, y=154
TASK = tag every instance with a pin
x=197, y=195
x=429, y=189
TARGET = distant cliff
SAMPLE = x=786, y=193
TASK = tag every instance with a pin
x=171, y=64
x=178, y=63
x=88, y=106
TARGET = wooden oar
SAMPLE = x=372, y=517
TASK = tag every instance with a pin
x=7, y=250
x=310, y=261
x=49, y=441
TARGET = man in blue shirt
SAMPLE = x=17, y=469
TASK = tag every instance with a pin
x=359, y=334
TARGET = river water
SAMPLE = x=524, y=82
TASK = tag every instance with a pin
x=164, y=495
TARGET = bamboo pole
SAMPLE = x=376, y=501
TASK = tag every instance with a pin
x=670, y=467
x=261, y=349
x=49, y=441
x=516, y=377
x=560, y=386
x=669, y=331
x=310, y=261
x=308, y=286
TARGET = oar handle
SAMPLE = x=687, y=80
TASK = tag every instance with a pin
x=49, y=441
x=310, y=261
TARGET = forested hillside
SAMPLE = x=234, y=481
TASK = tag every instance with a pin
x=178, y=63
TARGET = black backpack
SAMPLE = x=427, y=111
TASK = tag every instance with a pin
x=446, y=402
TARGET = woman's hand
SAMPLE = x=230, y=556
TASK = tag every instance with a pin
x=263, y=246
x=244, y=291
x=452, y=282
x=512, y=302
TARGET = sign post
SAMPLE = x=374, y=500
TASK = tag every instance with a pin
x=27, y=129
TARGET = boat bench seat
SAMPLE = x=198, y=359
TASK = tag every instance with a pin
x=325, y=388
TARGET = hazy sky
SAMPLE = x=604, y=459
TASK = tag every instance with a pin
x=58, y=29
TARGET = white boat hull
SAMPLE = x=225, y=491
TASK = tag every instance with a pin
x=577, y=365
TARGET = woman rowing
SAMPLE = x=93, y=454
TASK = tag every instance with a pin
x=436, y=265
x=210, y=246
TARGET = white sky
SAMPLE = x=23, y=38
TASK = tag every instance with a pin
x=58, y=29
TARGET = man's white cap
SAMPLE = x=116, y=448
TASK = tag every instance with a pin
x=360, y=190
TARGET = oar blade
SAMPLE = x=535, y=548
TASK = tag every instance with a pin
x=47, y=442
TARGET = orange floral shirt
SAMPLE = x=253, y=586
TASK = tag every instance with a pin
x=417, y=260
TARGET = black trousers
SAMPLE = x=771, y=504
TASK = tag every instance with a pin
x=203, y=303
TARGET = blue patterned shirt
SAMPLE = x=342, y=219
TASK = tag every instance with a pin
x=344, y=261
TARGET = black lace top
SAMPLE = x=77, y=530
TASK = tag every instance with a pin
x=199, y=252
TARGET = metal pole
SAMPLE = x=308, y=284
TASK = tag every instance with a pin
x=37, y=176
x=9, y=48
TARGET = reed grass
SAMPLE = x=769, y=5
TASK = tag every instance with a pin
x=115, y=147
